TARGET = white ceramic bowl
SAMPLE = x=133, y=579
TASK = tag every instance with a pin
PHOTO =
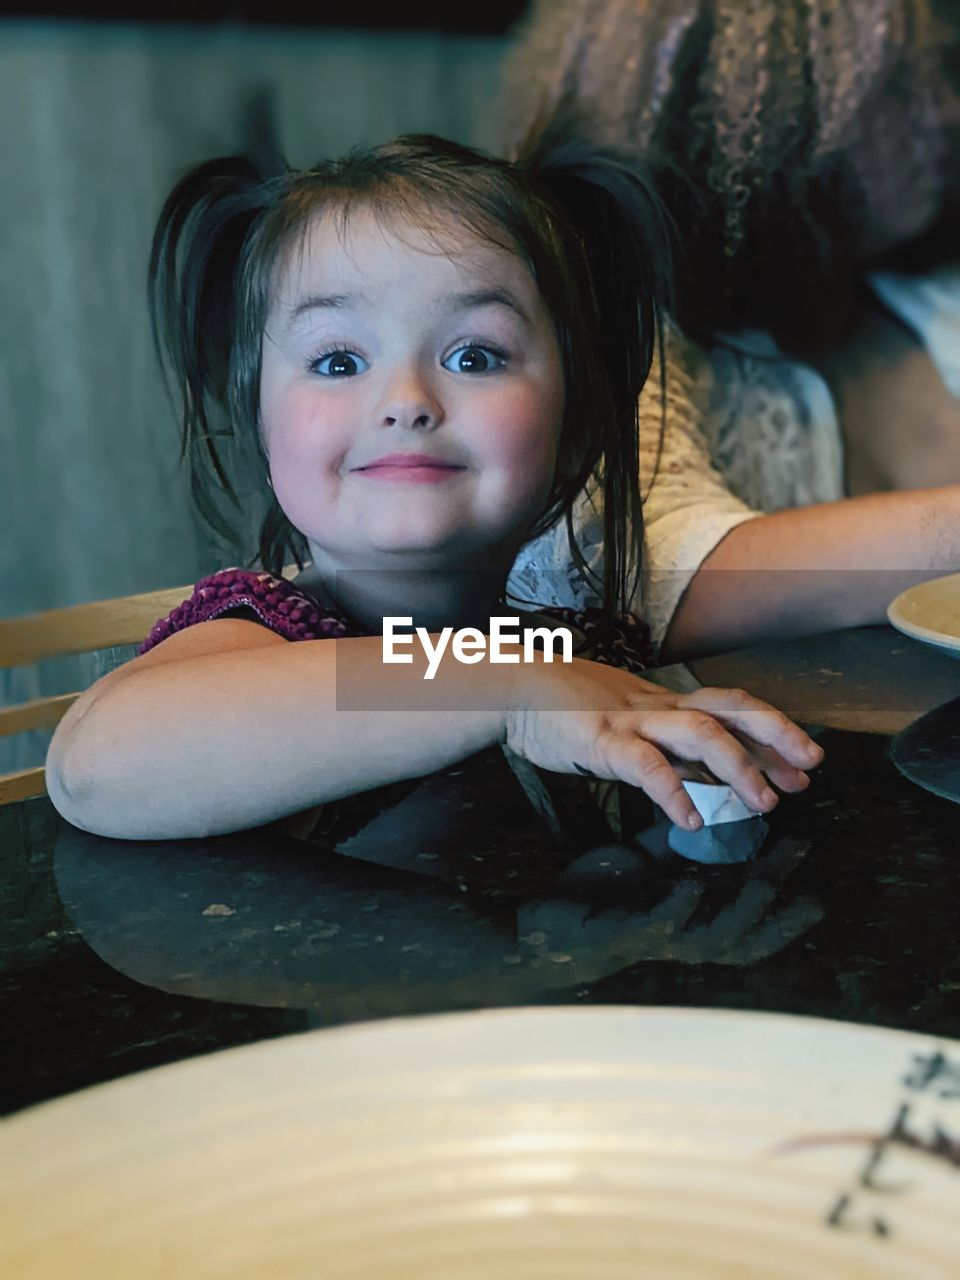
x=930, y=612
x=598, y=1143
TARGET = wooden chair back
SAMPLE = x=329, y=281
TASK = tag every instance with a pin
x=83, y=628
x=55, y=633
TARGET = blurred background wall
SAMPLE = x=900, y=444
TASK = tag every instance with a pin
x=99, y=120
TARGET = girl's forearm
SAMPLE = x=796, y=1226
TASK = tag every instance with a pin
x=814, y=569
x=227, y=741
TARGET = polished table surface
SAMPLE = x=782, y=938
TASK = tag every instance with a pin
x=489, y=886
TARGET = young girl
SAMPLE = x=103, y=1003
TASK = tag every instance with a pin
x=425, y=354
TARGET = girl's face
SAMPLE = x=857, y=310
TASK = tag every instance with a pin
x=410, y=402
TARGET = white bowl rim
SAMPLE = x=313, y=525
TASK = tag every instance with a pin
x=896, y=617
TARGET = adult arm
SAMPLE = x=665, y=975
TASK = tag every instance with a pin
x=812, y=569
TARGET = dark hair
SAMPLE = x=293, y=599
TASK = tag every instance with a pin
x=795, y=143
x=583, y=220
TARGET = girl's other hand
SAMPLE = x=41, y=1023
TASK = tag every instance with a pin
x=587, y=718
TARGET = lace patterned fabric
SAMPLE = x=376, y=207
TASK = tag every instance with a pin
x=771, y=426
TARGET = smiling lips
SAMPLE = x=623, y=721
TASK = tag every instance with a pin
x=410, y=468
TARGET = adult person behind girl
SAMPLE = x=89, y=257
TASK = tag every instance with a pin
x=809, y=156
x=408, y=344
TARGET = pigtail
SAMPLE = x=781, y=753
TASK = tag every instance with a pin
x=193, y=290
x=624, y=238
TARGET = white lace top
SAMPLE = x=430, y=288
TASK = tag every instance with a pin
x=747, y=431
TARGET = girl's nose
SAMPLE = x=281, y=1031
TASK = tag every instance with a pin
x=410, y=403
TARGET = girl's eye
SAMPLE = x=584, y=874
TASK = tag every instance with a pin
x=474, y=359
x=339, y=364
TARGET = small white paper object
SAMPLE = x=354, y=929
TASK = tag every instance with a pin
x=716, y=802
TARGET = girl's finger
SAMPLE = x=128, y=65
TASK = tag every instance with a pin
x=761, y=722
x=785, y=777
x=695, y=735
x=638, y=762
x=768, y=761
x=772, y=763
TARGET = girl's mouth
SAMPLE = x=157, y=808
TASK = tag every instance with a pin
x=410, y=468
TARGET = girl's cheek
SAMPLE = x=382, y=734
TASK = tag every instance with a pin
x=305, y=429
x=526, y=429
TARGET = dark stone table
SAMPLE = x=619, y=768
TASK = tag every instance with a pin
x=486, y=886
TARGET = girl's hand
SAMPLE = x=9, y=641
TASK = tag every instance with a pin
x=587, y=718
